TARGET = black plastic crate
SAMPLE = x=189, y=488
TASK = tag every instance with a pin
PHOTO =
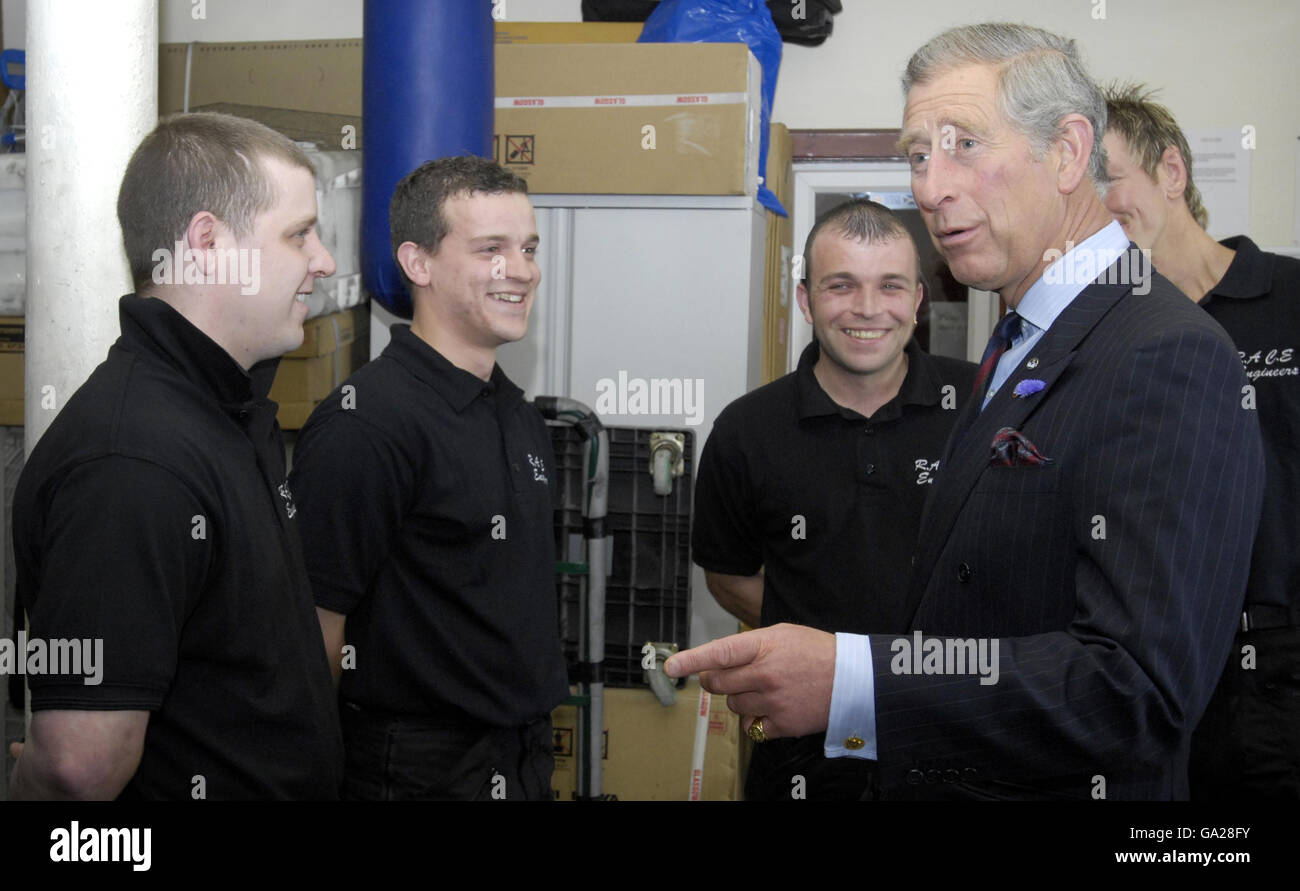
x=647, y=591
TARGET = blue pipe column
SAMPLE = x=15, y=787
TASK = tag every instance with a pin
x=427, y=92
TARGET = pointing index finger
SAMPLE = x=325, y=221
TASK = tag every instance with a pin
x=725, y=652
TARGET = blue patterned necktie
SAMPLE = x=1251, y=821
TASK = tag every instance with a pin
x=1007, y=330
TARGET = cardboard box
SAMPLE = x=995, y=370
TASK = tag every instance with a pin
x=333, y=347
x=644, y=118
x=605, y=118
x=648, y=748
x=310, y=380
x=12, y=377
x=324, y=335
x=320, y=76
x=310, y=90
x=567, y=32
x=293, y=415
x=780, y=309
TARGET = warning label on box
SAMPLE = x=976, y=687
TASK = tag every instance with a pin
x=519, y=149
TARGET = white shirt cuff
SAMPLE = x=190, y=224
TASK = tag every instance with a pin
x=851, y=731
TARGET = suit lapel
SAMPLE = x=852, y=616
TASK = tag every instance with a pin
x=967, y=453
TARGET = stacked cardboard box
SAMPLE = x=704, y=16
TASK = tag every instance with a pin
x=567, y=32
x=649, y=748
x=629, y=118
x=11, y=370
x=333, y=347
x=779, y=308
x=576, y=118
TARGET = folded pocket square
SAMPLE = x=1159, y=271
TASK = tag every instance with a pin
x=1010, y=448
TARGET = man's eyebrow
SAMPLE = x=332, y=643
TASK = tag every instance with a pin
x=918, y=135
x=837, y=276
x=907, y=138
x=303, y=223
x=526, y=240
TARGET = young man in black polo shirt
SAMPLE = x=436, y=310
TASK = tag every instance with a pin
x=424, y=484
x=810, y=488
x=1247, y=745
x=153, y=514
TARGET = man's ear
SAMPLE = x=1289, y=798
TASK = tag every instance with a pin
x=201, y=237
x=1074, y=140
x=1172, y=173
x=414, y=261
x=801, y=295
x=920, y=295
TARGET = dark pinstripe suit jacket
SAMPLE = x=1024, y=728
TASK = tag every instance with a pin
x=1112, y=578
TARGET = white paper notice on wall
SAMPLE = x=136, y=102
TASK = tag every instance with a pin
x=1221, y=170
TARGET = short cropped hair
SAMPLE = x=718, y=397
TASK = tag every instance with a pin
x=417, y=211
x=861, y=220
x=1041, y=79
x=1148, y=128
x=191, y=163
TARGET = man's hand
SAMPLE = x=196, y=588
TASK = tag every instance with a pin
x=782, y=674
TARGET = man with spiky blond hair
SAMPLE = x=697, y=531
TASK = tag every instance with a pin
x=1248, y=743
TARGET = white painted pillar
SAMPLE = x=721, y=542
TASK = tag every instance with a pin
x=92, y=95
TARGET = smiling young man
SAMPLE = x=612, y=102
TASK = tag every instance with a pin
x=154, y=515
x=1248, y=744
x=810, y=489
x=425, y=493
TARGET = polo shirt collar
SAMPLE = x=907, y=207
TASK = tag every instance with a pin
x=921, y=386
x=1250, y=274
x=456, y=385
x=154, y=326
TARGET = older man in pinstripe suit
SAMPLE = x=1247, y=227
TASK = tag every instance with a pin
x=1094, y=514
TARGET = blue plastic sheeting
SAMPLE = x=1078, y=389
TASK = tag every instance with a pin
x=727, y=21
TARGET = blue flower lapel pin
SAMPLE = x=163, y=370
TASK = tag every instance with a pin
x=1027, y=387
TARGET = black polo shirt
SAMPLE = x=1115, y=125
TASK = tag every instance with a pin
x=826, y=501
x=154, y=515
x=426, y=500
x=1258, y=304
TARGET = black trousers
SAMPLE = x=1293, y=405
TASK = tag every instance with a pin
x=1247, y=746
x=797, y=769
x=400, y=758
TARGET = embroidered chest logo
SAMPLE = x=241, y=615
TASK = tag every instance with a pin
x=539, y=468
x=925, y=471
x=1269, y=363
x=289, y=507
